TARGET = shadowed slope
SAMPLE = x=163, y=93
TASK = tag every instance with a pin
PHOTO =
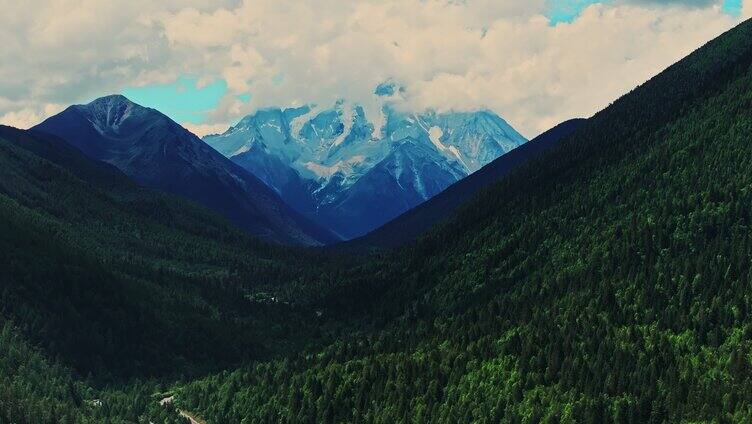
x=160, y=154
x=417, y=221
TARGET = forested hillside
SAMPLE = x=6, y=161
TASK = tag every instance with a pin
x=37, y=390
x=607, y=281
x=106, y=283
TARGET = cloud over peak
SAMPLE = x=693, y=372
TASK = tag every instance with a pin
x=503, y=55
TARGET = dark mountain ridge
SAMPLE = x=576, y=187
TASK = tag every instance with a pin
x=155, y=151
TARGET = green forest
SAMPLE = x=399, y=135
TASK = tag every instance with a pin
x=606, y=281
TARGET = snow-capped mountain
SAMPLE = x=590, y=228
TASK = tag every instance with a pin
x=341, y=169
x=158, y=153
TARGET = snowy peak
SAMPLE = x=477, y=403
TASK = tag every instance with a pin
x=328, y=132
x=317, y=143
x=324, y=127
x=473, y=138
x=343, y=158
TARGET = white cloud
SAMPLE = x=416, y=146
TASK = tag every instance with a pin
x=66, y=51
x=28, y=117
x=204, y=129
x=24, y=118
x=496, y=54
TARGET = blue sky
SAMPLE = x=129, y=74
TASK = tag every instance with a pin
x=181, y=100
x=733, y=7
x=566, y=10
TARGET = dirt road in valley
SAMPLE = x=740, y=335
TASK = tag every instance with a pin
x=187, y=415
x=191, y=418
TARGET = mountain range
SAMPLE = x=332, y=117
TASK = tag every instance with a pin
x=351, y=174
x=295, y=176
x=158, y=153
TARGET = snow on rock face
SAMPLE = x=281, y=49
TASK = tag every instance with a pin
x=333, y=149
x=316, y=143
x=107, y=114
